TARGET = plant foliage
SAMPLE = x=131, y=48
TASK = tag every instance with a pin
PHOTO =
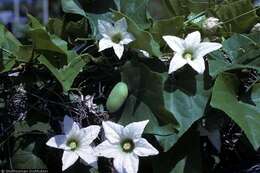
x=50, y=74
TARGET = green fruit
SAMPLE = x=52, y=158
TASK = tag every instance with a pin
x=117, y=97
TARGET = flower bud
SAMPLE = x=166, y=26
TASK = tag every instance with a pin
x=256, y=28
x=211, y=24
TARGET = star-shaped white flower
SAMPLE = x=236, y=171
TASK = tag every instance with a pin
x=189, y=51
x=75, y=142
x=115, y=36
x=125, y=144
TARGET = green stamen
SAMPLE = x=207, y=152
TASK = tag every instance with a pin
x=188, y=56
x=116, y=38
x=127, y=145
x=73, y=144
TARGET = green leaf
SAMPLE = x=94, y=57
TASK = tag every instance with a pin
x=67, y=74
x=7, y=62
x=26, y=159
x=44, y=42
x=8, y=46
x=51, y=46
x=72, y=6
x=77, y=29
x=185, y=7
x=243, y=49
x=184, y=157
x=23, y=127
x=180, y=166
x=186, y=107
x=255, y=95
x=158, y=10
x=93, y=20
x=7, y=39
x=177, y=7
x=144, y=40
x=55, y=26
x=34, y=23
x=136, y=110
x=239, y=16
x=147, y=86
x=197, y=6
x=24, y=53
x=136, y=10
x=161, y=28
x=242, y=52
x=224, y=97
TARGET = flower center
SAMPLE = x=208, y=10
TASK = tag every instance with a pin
x=188, y=56
x=116, y=38
x=73, y=144
x=127, y=145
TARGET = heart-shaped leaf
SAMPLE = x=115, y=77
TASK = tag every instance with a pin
x=224, y=97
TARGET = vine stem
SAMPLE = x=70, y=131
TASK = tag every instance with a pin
x=195, y=17
x=7, y=51
x=237, y=17
x=227, y=21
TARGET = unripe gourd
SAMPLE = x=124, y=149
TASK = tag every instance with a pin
x=117, y=97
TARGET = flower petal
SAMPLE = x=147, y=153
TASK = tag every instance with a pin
x=177, y=62
x=57, y=141
x=74, y=131
x=135, y=130
x=121, y=25
x=175, y=43
x=104, y=27
x=68, y=159
x=119, y=50
x=131, y=163
x=193, y=39
x=108, y=150
x=87, y=154
x=206, y=47
x=113, y=131
x=198, y=65
x=67, y=124
x=90, y=134
x=104, y=43
x=119, y=164
x=127, y=38
x=144, y=148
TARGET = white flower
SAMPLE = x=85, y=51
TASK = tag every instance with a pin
x=125, y=144
x=76, y=143
x=211, y=24
x=114, y=36
x=256, y=28
x=189, y=51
